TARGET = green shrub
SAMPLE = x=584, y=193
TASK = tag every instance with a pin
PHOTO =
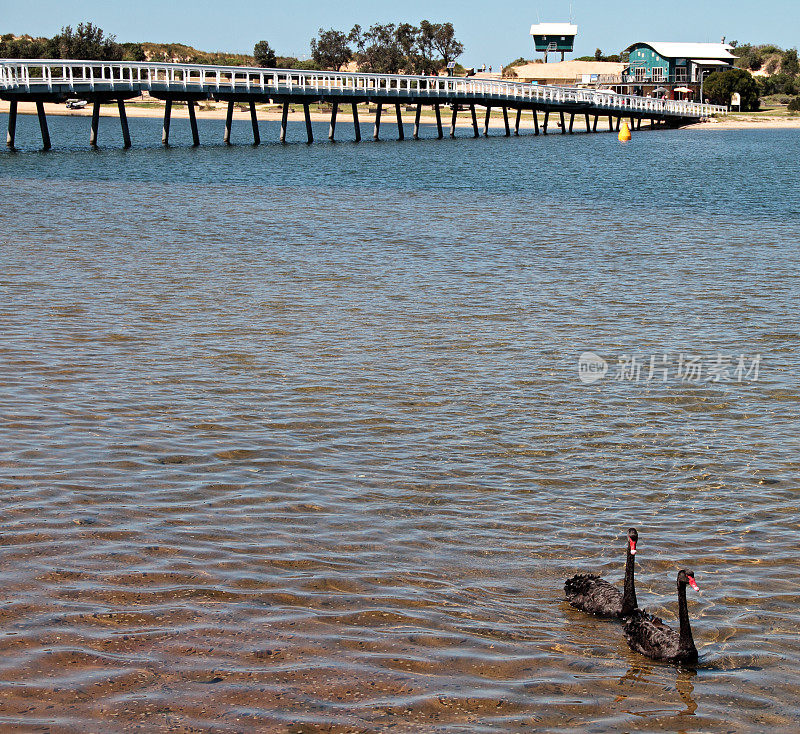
x=720, y=85
x=794, y=105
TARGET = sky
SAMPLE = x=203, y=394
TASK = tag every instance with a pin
x=492, y=34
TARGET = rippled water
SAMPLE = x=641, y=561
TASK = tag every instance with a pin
x=293, y=437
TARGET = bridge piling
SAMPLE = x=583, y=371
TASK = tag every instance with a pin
x=193, y=124
x=594, y=126
x=254, y=124
x=571, y=122
x=505, y=121
x=546, y=120
x=284, y=120
x=332, y=128
x=619, y=122
x=610, y=123
x=401, y=134
x=563, y=125
x=416, y=120
x=517, y=121
x=439, y=133
x=356, y=123
x=588, y=126
x=12, y=124
x=95, y=124
x=535, y=121
x=376, y=132
x=165, y=128
x=474, y=121
x=309, y=129
x=453, y=118
x=486, y=122
x=123, y=123
x=226, y=137
x=43, y=126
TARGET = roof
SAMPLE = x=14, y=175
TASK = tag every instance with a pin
x=569, y=70
x=670, y=50
x=709, y=62
x=554, y=29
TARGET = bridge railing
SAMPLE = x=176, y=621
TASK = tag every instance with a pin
x=81, y=76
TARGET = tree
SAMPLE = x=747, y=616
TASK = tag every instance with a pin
x=133, y=52
x=87, y=41
x=720, y=85
x=789, y=63
x=331, y=49
x=264, y=55
x=378, y=49
x=445, y=43
x=598, y=54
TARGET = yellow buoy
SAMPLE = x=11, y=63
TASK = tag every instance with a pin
x=624, y=133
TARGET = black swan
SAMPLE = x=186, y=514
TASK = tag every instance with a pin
x=649, y=636
x=591, y=594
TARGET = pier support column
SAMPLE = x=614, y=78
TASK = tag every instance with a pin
x=639, y=124
x=571, y=122
x=619, y=122
x=416, y=120
x=284, y=121
x=254, y=124
x=43, y=126
x=309, y=130
x=439, y=132
x=356, y=123
x=633, y=123
x=588, y=124
x=517, y=121
x=453, y=119
x=123, y=123
x=12, y=123
x=505, y=120
x=401, y=134
x=165, y=127
x=594, y=126
x=226, y=138
x=474, y=121
x=563, y=125
x=95, y=124
x=332, y=128
x=546, y=120
x=536, y=122
x=193, y=123
x=486, y=122
x=377, y=131
x=610, y=123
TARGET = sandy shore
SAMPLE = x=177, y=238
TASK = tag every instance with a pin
x=749, y=123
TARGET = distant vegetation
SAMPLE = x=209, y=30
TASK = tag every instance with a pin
x=776, y=70
x=720, y=86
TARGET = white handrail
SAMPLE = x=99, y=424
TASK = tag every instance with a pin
x=74, y=75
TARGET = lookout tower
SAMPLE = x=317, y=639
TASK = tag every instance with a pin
x=549, y=37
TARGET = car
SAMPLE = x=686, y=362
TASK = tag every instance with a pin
x=76, y=104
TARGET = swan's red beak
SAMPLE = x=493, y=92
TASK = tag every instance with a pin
x=632, y=544
x=693, y=583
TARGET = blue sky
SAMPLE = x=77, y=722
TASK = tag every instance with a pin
x=493, y=33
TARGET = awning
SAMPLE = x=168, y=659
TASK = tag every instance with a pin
x=685, y=90
x=710, y=62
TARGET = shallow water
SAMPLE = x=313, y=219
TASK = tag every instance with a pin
x=293, y=438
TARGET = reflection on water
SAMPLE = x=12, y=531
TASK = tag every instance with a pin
x=294, y=437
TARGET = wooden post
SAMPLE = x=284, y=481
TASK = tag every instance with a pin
x=594, y=127
x=123, y=122
x=12, y=123
x=309, y=130
x=546, y=120
x=633, y=123
x=639, y=123
x=453, y=118
x=474, y=121
x=486, y=123
x=332, y=128
x=505, y=120
x=167, y=117
x=517, y=121
x=563, y=125
x=535, y=121
x=93, y=130
x=571, y=122
x=254, y=123
x=401, y=134
x=356, y=124
x=43, y=126
x=416, y=120
x=377, y=130
x=226, y=138
x=588, y=125
x=439, y=133
x=610, y=123
x=284, y=120
x=193, y=123
x=619, y=122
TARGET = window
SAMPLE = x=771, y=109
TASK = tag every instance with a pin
x=658, y=73
x=680, y=74
x=641, y=73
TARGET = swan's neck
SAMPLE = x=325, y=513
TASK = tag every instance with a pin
x=686, y=639
x=629, y=604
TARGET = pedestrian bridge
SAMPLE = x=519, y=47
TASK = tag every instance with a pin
x=99, y=82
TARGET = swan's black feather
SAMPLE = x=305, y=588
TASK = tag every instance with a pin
x=593, y=595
